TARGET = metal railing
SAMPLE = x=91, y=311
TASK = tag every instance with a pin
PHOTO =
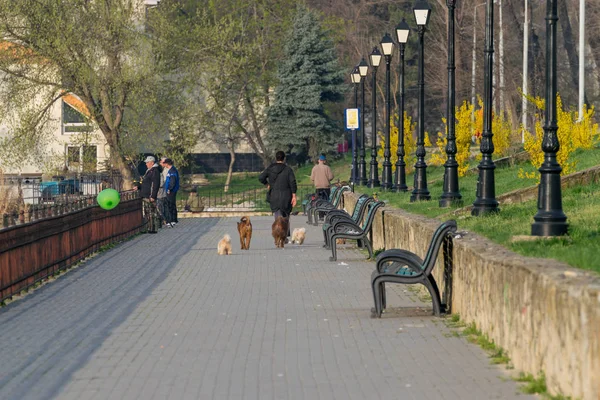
x=52, y=237
x=24, y=200
x=58, y=189
x=214, y=198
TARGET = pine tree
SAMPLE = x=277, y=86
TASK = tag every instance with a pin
x=309, y=78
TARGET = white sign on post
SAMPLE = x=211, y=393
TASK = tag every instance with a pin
x=352, y=118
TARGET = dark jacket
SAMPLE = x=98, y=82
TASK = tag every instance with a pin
x=172, y=180
x=282, y=180
x=150, y=183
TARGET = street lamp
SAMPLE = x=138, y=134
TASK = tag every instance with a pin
x=451, y=193
x=402, y=31
x=387, y=46
x=363, y=70
x=422, y=12
x=375, y=58
x=486, y=202
x=550, y=219
x=355, y=77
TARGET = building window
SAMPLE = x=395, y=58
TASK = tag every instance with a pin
x=73, y=120
x=89, y=158
x=82, y=158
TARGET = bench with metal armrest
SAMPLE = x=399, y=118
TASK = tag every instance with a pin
x=403, y=266
x=354, y=231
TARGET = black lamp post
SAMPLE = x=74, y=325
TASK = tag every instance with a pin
x=363, y=70
x=355, y=77
x=402, y=31
x=486, y=202
x=451, y=193
x=387, y=46
x=375, y=58
x=422, y=11
x=550, y=219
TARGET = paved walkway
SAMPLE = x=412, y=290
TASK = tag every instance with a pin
x=164, y=317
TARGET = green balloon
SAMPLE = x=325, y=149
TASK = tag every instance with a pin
x=108, y=199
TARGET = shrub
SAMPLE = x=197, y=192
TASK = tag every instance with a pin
x=572, y=135
x=410, y=144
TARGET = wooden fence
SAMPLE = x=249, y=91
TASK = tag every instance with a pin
x=32, y=251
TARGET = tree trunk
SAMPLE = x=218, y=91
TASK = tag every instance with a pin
x=118, y=160
x=230, y=146
x=567, y=31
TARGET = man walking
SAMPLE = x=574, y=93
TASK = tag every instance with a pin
x=282, y=187
x=171, y=188
x=321, y=176
x=149, y=193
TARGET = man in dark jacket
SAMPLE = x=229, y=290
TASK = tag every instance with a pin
x=171, y=187
x=282, y=186
x=149, y=193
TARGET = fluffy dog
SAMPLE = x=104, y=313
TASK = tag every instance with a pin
x=245, y=231
x=279, y=230
x=224, y=246
x=298, y=235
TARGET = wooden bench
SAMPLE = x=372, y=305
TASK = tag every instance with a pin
x=353, y=231
x=403, y=266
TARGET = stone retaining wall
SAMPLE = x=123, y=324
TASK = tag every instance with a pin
x=545, y=314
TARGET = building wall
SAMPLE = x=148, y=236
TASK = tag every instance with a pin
x=55, y=157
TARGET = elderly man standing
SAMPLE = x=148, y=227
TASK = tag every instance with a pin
x=149, y=194
x=321, y=177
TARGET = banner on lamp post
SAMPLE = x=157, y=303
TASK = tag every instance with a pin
x=352, y=118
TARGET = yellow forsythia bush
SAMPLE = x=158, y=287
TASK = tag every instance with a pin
x=410, y=144
x=463, y=132
x=572, y=135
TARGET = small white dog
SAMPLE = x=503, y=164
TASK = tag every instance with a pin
x=224, y=246
x=298, y=235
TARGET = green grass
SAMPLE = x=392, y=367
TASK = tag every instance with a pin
x=581, y=205
x=580, y=249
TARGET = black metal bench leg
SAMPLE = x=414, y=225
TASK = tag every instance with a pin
x=383, y=298
x=333, y=245
x=430, y=284
x=367, y=243
x=376, y=311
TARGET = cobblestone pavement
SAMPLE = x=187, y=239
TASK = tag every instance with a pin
x=164, y=317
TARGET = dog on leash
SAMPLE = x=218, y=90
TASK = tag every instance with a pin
x=224, y=246
x=245, y=231
x=279, y=230
x=298, y=235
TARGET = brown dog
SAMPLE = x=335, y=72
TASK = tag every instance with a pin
x=245, y=230
x=279, y=231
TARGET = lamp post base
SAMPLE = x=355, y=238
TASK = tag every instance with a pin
x=400, y=178
x=550, y=226
x=420, y=192
x=452, y=200
x=374, y=175
x=486, y=202
x=451, y=195
x=362, y=172
x=386, y=175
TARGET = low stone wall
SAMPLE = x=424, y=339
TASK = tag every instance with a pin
x=543, y=312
